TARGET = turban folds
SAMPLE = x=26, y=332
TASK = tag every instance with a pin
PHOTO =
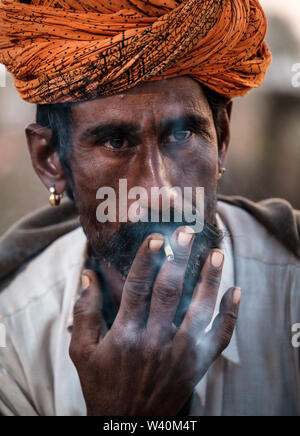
x=74, y=50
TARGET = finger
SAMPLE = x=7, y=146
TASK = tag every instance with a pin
x=219, y=337
x=87, y=316
x=169, y=282
x=205, y=295
x=138, y=286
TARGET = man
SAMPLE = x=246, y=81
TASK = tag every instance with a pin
x=141, y=92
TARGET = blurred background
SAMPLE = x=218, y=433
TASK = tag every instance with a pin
x=264, y=155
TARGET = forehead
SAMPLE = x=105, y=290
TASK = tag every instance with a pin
x=152, y=101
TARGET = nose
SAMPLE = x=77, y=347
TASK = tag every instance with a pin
x=155, y=177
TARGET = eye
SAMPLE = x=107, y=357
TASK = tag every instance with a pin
x=179, y=136
x=115, y=143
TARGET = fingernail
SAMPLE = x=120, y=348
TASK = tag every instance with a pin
x=237, y=293
x=85, y=281
x=217, y=258
x=185, y=236
x=156, y=244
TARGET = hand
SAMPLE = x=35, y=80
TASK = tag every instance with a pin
x=144, y=365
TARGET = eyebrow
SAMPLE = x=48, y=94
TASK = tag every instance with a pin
x=190, y=120
x=113, y=127
x=193, y=121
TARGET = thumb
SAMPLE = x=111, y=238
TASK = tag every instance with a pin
x=220, y=335
x=87, y=315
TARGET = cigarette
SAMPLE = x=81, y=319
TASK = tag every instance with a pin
x=168, y=250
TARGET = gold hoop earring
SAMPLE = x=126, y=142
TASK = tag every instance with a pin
x=54, y=198
x=220, y=175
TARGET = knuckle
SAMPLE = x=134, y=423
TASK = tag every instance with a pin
x=81, y=306
x=80, y=356
x=83, y=309
x=137, y=288
x=228, y=327
x=213, y=278
x=167, y=292
x=180, y=258
x=231, y=316
x=127, y=338
x=229, y=320
x=82, y=315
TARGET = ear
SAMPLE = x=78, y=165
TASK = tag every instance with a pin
x=45, y=159
x=225, y=133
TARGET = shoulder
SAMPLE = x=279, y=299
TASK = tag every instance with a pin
x=35, y=308
x=258, y=233
x=45, y=273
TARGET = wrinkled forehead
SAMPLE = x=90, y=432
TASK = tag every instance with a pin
x=153, y=101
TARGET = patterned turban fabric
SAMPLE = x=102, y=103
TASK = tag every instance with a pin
x=75, y=50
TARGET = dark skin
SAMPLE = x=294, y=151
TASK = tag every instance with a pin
x=158, y=134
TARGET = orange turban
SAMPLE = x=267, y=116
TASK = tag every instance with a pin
x=75, y=50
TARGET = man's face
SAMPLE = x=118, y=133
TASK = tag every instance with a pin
x=160, y=134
